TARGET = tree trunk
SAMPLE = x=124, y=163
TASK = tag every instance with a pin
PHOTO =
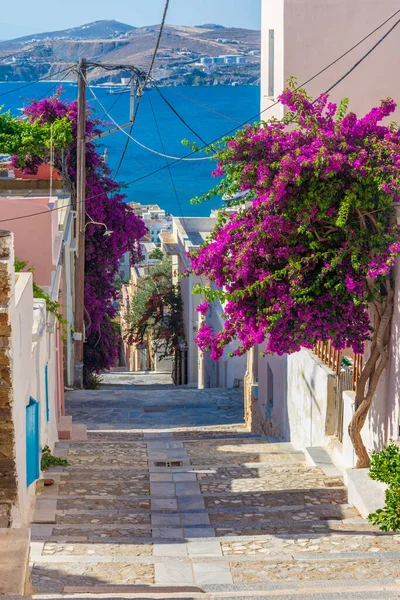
x=369, y=380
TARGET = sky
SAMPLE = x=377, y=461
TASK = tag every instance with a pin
x=35, y=17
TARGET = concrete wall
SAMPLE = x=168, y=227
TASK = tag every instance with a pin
x=229, y=371
x=309, y=34
x=296, y=394
x=310, y=400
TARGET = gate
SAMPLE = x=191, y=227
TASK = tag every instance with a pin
x=32, y=441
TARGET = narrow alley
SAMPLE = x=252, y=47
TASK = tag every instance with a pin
x=171, y=497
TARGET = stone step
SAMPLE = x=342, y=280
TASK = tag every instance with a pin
x=144, y=533
x=79, y=432
x=261, y=547
x=318, y=591
x=65, y=428
x=277, y=498
x=216, y=575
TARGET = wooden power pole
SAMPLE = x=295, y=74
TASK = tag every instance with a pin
x=79, y=326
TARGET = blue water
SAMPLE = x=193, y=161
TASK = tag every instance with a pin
x=190, y=178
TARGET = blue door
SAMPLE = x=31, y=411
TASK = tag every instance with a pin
x=46, y=385
x=32, y=441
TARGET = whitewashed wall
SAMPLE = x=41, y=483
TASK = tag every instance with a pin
x=21, y=336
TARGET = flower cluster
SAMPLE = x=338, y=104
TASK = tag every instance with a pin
x=102, y=253
x=295, y=266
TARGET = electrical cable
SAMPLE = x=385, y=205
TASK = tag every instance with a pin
x=163, y=148
x=179, y=116
x=56, y=84
x=362, y=58
x=219, y=138
x=120, y=94
x=169, y=168
x=164, y=17
x=134, y=139
x=298, y=87
x=216, y=112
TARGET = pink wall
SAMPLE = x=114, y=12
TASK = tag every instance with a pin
x=43, y=172
x=309, y=34
x=33, y=236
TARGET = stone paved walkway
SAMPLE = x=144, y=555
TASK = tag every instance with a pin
x=171, y=497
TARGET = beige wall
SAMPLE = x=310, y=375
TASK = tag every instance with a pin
x=310, y=34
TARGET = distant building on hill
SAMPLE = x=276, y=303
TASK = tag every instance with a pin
x=225, y=59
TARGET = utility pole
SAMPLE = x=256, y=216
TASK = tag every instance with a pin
x=79, y=326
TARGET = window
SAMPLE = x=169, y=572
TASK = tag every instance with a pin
x=32, y=441
x=270, y=387
x=271, y=62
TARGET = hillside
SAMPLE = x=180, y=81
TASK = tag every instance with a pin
x=179, y=57
x=97, y=29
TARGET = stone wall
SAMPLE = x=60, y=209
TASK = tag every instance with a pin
x=8, y=475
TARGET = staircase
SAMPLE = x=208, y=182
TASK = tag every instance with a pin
x=201, y=512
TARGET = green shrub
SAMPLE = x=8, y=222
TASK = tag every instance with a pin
x=48, y=460
x=91, y=380
x=385, y=467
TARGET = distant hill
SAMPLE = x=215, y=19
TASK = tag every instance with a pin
x=210, y=26
x=178, y=61
x=95, y=30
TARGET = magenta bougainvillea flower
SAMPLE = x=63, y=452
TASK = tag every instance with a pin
x=301, y=263
x=104, y=204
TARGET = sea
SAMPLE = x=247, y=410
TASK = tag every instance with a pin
x=211, y=112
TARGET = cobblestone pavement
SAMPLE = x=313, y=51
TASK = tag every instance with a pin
x=172, y=497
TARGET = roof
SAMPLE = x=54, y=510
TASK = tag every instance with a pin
x=169, y=243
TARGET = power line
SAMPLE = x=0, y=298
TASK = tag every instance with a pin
x=120, y=94
x=170, y=173
x=216, y=112
x=134, y=139
x=363, y=58
x=72, y=69
x=36, y=81
x=168, y=165
x=298, y=87
x=179, y=116
x=163, y=148
x=164, y=17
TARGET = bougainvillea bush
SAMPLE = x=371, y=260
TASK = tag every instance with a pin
x=104, y=204
x=311, y=253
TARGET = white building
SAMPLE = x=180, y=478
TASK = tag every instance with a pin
x=188, y=234
x=155, y=218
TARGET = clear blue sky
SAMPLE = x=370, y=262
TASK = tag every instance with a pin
x=42, y=15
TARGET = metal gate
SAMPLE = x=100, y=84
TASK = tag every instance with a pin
x=32, y=441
